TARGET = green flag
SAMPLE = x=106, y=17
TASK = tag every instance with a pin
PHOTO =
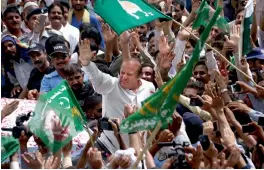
x=141, y=120
x=170, y=103
x=9, y=146
x=246, y=28
x=204, y=16
x=122, y=15
x=57, y=117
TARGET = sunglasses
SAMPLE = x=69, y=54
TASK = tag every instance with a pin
x=99, y=110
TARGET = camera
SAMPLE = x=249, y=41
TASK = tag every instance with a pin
x=16, y=130
x=103, y=124
x=177, y=152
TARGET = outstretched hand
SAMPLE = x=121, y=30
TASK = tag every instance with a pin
x=86, y=54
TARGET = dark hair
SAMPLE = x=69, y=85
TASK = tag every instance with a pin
x=200, y=63
x=71, y=69
x=196, y=85
x=90, y=32
x=147, y=64
x=64, y=3
x=53, y=5
x=157, y=6
x=179, y=2
x=239, y=10
x=91, y=101
x=192, y=41
x=152, y=34
x=10, y=9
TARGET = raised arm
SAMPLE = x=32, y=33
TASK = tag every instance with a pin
x=103, y=83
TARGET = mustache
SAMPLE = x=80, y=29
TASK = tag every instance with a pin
x=37, y=62
x=56, y=17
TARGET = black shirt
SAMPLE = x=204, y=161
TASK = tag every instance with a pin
x=86, y=91
x=36, y=76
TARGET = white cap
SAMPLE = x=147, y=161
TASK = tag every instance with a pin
x=30, y=4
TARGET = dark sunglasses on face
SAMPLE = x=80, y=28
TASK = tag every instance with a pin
x=99, y=110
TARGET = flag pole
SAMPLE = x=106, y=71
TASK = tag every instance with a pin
x=149, y=141
x=176, y=22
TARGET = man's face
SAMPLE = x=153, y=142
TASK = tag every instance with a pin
x=59, y=60
x=38, y=58
x=66, y=13
x=55, y=16
x=76, y=81
x=143, y=29
x=190, y=92
x=148, y=74
x=129, y=74
x=78, y=5
x=9, y=49
x=177, y=13
x=95, y=113
x=12, y=21
x=188, y=49
x=200, y=73
x=239, y=18
x=214, y=32
x=151, y=46
x=31, y=21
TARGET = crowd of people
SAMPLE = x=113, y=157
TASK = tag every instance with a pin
x=219, y=119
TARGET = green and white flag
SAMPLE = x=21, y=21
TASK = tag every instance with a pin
x=245, y=40
x=57, y=117
x=122, y=15
x=204, y=15
x=9, y=146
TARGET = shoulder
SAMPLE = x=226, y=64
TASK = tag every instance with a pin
x=51, y=75
x=147, y=85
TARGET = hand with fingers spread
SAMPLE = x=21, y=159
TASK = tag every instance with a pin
x=195, y=5
x=94, y=158
x=207, y=102
x=9, y=108
x=86, y=54
x=218, y=103
x=36, y=27
x=219, y=79
x=164, y=47
x=16, y=90
x=165, y=60
x=33, y=94
x=53, y=162
x=197, y=156
x=33, y=161
x=108, y=33
x=232, y=43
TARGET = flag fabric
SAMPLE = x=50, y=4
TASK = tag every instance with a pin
x=184, y=75
x=57, y=117
x=141, y=119
x=9, y=146
x=126, y=14
x=245, y=28
x=204, y=16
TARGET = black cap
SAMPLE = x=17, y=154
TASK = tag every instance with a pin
x=59, y=47
x=35, y=12
x=36, y=48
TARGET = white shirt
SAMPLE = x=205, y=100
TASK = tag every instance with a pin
x=22, y=71
x=115, y=98
x=72, y=35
